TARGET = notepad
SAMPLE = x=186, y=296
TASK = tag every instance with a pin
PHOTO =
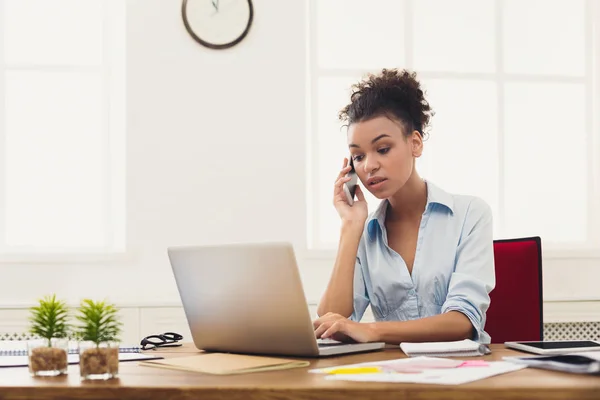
x=459, y=348
x=226, y=363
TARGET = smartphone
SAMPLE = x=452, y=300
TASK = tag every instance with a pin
x=350, y=186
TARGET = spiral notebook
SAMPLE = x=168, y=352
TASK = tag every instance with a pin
x=19, y=348
x=13, y=353
x=459, y=348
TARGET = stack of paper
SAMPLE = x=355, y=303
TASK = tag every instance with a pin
x=578, y=363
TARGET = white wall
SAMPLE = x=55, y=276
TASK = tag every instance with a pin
x=216, y=152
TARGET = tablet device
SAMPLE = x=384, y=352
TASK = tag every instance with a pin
x=555, y=347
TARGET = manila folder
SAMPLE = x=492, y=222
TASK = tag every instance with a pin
x=226, y=363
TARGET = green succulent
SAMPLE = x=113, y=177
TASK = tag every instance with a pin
x=49, y=319
x=99, y=321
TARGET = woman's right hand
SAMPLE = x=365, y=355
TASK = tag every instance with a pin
x=356, y=213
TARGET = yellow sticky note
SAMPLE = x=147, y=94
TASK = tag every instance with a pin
x=355, y=370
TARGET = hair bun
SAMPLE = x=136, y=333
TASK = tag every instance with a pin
x=393, y=92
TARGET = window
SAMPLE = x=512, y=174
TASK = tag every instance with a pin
x=62, y=127
x=514, y=84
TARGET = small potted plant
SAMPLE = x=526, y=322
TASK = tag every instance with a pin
x=98, y=334
x=48, y=355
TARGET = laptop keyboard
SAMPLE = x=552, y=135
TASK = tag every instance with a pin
x=329, y=343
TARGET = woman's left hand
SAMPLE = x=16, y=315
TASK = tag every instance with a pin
x=336, y=327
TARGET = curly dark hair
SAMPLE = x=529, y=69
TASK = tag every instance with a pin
x=394, y=93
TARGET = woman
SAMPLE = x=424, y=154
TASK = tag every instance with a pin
x=424, y=259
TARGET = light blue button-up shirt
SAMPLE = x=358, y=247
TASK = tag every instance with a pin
x=453, y=267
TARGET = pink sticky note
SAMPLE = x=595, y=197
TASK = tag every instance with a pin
x=474, y=363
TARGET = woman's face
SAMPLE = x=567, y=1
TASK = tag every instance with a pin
x=383, y=155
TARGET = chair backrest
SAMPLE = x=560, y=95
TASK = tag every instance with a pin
x=516, y=304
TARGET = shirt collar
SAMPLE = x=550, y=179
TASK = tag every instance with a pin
x=435, y=195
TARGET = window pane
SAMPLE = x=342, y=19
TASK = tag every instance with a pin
x=544, y=37
x=546, y=163
x=331, y=148
x=360, y=34
x=67, y=32
x=455, y=36
x=117, y=118
x=461, y=154
x=55, y=193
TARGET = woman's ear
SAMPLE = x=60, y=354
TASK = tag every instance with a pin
x=417, y=144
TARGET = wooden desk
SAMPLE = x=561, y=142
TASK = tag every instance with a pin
x=136, y=382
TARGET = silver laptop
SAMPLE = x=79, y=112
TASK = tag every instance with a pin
x=248, y=298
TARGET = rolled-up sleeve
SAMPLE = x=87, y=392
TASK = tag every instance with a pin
x=473, y=278
x=361, y=299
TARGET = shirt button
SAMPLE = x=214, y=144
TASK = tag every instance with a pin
x=412, y=292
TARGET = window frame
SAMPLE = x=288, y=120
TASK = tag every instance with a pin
x=553, y=250
x=113, y=70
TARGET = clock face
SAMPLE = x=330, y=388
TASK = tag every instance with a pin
x=217, y=24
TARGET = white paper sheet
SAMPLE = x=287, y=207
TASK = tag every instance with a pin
x=439, y=375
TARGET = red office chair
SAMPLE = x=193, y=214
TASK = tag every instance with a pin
x=516, y=305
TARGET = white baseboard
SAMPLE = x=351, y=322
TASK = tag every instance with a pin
x=144, y=319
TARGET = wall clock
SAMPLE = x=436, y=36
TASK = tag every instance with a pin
x=217, y=24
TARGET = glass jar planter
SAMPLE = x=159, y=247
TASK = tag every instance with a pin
x=48, y=357
x=98, y=361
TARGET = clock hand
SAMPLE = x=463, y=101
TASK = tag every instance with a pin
x=215, y=4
